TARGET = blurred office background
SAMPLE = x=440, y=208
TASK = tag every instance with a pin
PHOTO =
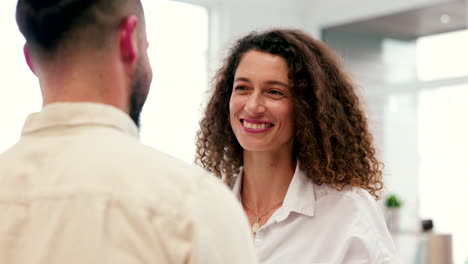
x=409, y=58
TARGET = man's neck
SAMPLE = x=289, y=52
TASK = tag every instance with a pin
x=86, y=81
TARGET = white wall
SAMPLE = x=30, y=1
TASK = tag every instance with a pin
x=333, y=12
x=230, y=19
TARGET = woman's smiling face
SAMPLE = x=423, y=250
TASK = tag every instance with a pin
x=260, y=108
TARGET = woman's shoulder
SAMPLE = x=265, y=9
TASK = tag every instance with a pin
x=358, y=215
x=350, y=193
x=357, y=202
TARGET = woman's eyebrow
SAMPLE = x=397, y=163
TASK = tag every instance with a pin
x=241, y=79
x=277, y=83
x=272, y=82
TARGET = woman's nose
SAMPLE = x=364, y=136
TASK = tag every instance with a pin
x=255, y=104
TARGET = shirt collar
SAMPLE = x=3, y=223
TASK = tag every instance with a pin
x=300, y=197
x=78, y=114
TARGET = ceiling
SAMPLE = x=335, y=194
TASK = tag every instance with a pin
x=439, y=18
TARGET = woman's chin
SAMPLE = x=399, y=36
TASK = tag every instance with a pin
x=256, y=147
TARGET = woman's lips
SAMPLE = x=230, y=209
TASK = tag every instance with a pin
x=255, y=126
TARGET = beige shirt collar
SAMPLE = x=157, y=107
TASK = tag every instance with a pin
x=69, y=115
x=300, y=197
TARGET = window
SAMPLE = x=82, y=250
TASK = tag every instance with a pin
x=443, y=56
x=443, y=142
x=178, y=55
x=443, y=171
x=422, y=133
x=20, y=93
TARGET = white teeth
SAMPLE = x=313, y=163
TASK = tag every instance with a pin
x=255, y=126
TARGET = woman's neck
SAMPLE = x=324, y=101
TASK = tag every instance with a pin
x=266, y=179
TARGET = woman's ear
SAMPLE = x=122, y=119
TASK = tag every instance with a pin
x=27, y=57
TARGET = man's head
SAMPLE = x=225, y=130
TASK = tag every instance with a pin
x=62, y=32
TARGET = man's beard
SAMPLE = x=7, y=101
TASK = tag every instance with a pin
x=139, y=93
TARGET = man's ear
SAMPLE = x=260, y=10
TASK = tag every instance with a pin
x=27, y=57
x=128, y=43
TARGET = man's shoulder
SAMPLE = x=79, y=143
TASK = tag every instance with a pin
x=104, y=161
x=146, y=169
x=100, y=160
x=119, y=151
x=177, y=199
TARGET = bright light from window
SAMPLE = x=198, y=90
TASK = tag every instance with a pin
x=178, y=37
x=443, y=166
x=443, y=142
x=20, y=93
x=443, y=56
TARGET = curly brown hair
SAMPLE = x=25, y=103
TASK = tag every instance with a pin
x=332, y=142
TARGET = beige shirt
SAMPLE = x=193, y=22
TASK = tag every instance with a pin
x=318, y=224
x=79, y=188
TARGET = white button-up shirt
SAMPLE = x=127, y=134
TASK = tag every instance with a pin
x=318, y=224
x=79, y=188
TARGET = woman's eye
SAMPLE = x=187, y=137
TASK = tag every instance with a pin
x=240, y=88
x=276, y=92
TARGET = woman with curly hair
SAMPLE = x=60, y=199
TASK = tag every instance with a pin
x=284, y=128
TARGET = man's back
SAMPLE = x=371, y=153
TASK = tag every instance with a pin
x=79, y=188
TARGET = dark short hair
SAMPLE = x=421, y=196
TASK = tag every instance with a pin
x=47, y=24
x=332, y=141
